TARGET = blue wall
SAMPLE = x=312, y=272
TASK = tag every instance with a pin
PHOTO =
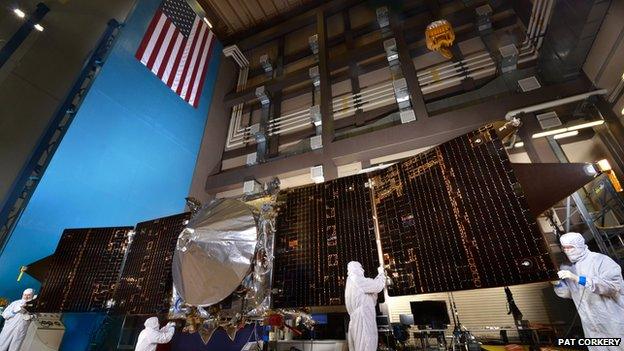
x=128, y=156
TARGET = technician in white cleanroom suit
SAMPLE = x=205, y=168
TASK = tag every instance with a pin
x=16, y=323
x=361, y=298
x=152, y=335
x=594, y=282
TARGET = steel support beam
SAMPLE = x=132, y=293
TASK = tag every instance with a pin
x=523, y=8
x=353, y=66
x=422, y=133
x=462, y=20
x=280, y=28
x=272, y=86
x=611, y=133
x=416, y=48
x=276, y=102
x=366, y=116
x=327, y=113
x=613, y=122
x=409, y=70
x=538, y=150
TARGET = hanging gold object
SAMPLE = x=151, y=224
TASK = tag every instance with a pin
x=440, y=37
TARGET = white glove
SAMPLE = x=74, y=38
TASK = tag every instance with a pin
x=171, y=324
x=381, y=270
x=565, y=274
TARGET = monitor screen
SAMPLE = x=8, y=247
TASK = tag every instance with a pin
x=319, y=318
x=406, y=319
x=383, y=320
x=430, y=313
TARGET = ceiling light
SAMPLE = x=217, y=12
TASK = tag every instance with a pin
x=39, y=27
x=566, y=134
x=590, y=169
x=586, y=125
x=549, y=132
x=19, y=13
x=519, y=144
x=568, y=129
x=208, y=22
x=604, y=165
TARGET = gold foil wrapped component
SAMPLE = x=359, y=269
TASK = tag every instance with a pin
x=440, y=37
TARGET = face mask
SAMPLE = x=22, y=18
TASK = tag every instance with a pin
x=575, y=254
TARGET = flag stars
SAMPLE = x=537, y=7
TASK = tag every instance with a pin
x=181, y=60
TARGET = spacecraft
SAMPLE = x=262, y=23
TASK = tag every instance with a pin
x=458, y=216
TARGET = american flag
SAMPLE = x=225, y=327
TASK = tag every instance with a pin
x=177, y=47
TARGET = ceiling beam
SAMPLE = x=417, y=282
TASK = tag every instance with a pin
x=287, y=23
x=219, y=27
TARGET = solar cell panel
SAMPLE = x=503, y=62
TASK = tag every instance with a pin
x=320, y=228
x=455, y=218
x=84, y=271
x=146, y=284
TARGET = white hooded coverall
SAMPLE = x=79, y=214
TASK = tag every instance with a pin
x=360, y=299
x=152, y=335
x=16, y=325
x=599, y=294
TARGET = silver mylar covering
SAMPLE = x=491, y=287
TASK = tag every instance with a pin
x=214, y=253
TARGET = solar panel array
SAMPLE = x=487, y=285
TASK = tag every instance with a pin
x=146, y=282
x=85, y=270
x=320, y=228
x=454, y=218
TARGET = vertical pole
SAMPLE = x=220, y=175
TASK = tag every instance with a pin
x=568, y=214
x=325, y=77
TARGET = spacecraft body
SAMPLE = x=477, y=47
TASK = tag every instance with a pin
x=223, y=260
x=458, y=216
